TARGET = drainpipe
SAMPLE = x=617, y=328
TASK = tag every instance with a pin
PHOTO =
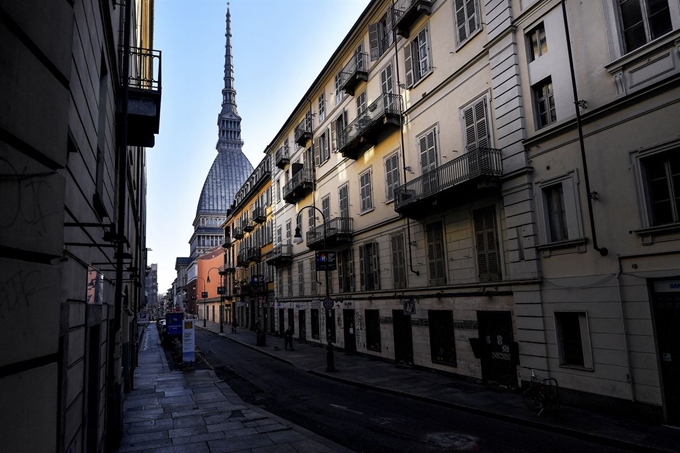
x=625, y=335
x=577, y=104
x=401, y=135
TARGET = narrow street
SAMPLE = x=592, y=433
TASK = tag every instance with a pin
x=365, y=420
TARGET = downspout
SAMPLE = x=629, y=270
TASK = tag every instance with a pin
x=625, y=334
x=401, y=135
x=577, y=104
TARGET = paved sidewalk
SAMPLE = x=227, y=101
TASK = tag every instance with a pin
x=428, y=386
x=178, y=412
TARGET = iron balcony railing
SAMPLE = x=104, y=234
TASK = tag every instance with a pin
x=238, y=233
x=334, y=227
x=473, y=164
x=145, y=69
x=282, y=156
x=385, y=105
x=242, y=258
x=299, y=179
x=279, y=254
x=254, y=254
x=259, y=214
x=407, y=12
x=303, y=131
x=354, y=72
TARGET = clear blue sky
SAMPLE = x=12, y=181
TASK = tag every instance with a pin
x=279, y=47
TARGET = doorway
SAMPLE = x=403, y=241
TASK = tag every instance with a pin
x=666, y=307
x=302, y=321
x=403, y=338
x=350, y=335
x=281, y=326
x=495, y=336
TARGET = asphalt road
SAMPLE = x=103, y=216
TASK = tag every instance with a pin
x=369, y=421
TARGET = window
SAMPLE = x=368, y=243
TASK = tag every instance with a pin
x=467, y=20
x=476, y=123
x=343, y=197
x=386, y=80
x=487, y=244
x=380, y=35
x=398, y=261
x=417, y=58
x=392, y=179
x=289, y=289
x=322, y=107
x=311, y=219
x=442, y=340
x=643, y=21
x=366, y=192
x=427, y=147
x=346, y=270
x=556, y=213
x=573, y=339
x=279, y=236
x=560, y=214
x=339, y=93
x=544, y=103
x=373, y=330
x=337, y=131
x=279, y=283
x=361, y=104
x=369, y=264
x=288, y=232
x=301, y=279
x=278, y=190
x=661, y=176
x=435, y=254
x=537, y=43
x=322, y=151
x=326, y=207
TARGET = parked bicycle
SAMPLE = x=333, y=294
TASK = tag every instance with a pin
x=543, y=395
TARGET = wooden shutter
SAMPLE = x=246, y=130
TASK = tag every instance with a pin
x=374, y=41
x=470, y=134
x=408, y=64
x=317, y=152
x=351, y=270
x=460, y=20
x=362, y=268
x=334, y=140
x=435, y=254
x=487, y=246
x=376, y=267
x=481, y=124
x=341, y=270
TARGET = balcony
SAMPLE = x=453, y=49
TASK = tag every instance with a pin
x=338, y=231
x=248, y=227
x=354, y=72
x=300, y=185
x=144, y=97
x=379, y=119
x=282, y=157
x=281, y=255
x=254, y=254
x=303, y=131
x=259, y=215
x=478, y=170
x=229, y=270
x=407, y=12
x=238, y=233
x=242, y=258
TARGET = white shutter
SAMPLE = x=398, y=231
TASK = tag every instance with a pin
x=334, y=136
x=317, y=155
x=408, y=64
x=376, y=267
x=362, y=268
x=351, y=270
x=481, y=124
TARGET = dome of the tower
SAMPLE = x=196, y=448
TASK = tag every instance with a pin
x=226, y=176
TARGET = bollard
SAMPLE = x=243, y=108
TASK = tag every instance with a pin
x=330, y=366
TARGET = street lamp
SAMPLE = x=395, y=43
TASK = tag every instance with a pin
x=221, y=298
x=328, y=303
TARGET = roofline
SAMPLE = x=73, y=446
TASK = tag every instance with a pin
x=316, y=81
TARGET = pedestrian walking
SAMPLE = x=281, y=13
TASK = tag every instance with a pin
x=288, y=338
x=234, y=325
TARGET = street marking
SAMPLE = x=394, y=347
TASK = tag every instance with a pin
x=346, y=409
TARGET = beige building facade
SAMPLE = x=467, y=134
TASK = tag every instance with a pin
x=475, y=222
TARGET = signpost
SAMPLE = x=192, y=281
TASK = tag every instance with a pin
x=328, y=303
x=188, y=341
x=325, y=260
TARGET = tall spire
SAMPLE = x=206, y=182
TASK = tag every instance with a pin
x=228, y=121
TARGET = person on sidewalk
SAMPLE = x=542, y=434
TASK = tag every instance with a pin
x=234, y=325
x=288, y=339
